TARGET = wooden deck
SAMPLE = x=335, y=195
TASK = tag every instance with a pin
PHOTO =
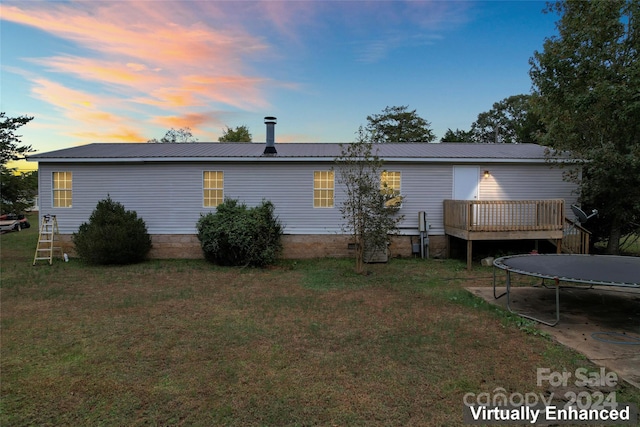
x=504, y=220
x=577, y=239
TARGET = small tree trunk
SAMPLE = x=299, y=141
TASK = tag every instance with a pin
x=359, y=239
x=359, y=255
x=615, y=232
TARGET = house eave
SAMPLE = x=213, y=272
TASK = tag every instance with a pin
x=448, y=160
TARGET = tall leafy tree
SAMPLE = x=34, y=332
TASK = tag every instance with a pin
x=399, y=124
x=239, y=134
x=587, y=93
x=457, y=135
x=175, y=136
x=10, y=143
x=510, y=120
x=16, y=190
x=367, y=215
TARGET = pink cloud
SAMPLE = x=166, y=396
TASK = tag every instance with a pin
x=194, y=121
x=86, y=115
x=179, y=60
x=119, y=134
x=162, y=54
x=238, y=91
x=105, y=72
x=65, y=98
x=146, y=30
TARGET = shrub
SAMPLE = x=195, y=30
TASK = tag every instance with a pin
x=238, y=235
x=113, y=235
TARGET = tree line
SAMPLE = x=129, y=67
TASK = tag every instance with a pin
x=239, y=134
x=511, y=120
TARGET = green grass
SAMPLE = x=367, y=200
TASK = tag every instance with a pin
x=629, y=245
x=303, y=343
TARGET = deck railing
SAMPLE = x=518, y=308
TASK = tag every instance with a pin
x=576, y=238
x=504, y=215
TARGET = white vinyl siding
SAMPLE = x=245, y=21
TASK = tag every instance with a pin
x=62, y=184
x=424, y=187
x=169, y=196
x=323, y=189
x=213, y=188
x=525, y=182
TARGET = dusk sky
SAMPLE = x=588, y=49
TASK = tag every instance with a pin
x=127, y=71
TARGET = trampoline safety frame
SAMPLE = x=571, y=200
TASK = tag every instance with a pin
x=526, y=316
x=558, y=273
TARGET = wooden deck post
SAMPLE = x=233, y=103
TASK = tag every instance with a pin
x=504, y=220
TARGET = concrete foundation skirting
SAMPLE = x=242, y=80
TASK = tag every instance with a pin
x=295, y=246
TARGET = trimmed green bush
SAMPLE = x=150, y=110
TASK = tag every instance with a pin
x=238, y=235
x=113, y=235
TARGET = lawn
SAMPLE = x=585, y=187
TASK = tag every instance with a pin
x=629, y=245
x=303, y=343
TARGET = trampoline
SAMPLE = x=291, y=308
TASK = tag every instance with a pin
x=601, y=270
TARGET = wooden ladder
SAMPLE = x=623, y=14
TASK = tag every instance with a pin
x=46, y=239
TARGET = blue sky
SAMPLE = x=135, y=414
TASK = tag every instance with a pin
x=125, y=71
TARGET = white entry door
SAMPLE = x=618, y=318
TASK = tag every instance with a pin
x=465, y=182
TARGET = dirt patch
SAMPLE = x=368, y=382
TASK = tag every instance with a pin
x=601, y=323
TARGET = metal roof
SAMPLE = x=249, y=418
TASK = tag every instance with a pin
x=205, y=151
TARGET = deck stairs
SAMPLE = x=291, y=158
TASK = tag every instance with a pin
x=46, y=240
x=576, y=238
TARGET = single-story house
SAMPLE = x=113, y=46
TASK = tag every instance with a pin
x=500, y=191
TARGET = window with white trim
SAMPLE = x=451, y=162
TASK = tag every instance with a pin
x=323, y=189
x=213, y=188
x=62, y=189
x=390, y=187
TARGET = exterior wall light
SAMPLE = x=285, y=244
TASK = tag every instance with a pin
x=487, y=174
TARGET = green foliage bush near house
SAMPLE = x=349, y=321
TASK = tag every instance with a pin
x=113, y=235
x=238, y=235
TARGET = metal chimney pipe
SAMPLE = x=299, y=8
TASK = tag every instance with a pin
x=271, y=142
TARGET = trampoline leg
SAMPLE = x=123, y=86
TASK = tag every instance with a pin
x=557, y=283
x=544, y=322
x=508, y=292
x=494, y=286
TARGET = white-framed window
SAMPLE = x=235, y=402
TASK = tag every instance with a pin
x=323, y=189
x=62, y=189
x=213, y=188
x=390, y=186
